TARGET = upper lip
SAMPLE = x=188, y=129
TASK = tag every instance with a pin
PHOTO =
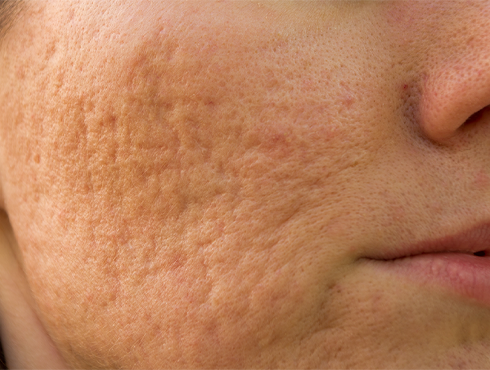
x=470, y=241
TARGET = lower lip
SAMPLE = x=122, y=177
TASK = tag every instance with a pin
x=464, y=274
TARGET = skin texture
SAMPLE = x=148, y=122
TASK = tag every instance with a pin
x=195, y=184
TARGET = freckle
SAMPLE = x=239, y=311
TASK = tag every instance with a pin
x=37, y=158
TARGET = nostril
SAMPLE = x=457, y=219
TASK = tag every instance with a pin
x=480, y=254
x=475, y=117
x=449, y=98
x=478, y=116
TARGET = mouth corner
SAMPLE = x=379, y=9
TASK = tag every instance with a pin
x=482, y=253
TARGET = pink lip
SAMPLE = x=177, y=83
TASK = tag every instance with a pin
x=459, y=263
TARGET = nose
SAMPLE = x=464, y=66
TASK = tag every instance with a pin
x=454, y=94
x=455, y=86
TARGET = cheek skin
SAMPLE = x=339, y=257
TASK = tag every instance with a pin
x=183, y=190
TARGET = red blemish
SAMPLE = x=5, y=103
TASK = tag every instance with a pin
x=347, y=98
x=481, y=180
x=210, y=104
x=403, y=15
x=307, y=85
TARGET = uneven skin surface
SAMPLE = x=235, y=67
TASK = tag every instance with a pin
x=193, y=184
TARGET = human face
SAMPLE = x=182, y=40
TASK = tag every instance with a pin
x=210, y=184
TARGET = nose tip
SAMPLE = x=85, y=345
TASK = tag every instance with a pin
x=455, y=95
